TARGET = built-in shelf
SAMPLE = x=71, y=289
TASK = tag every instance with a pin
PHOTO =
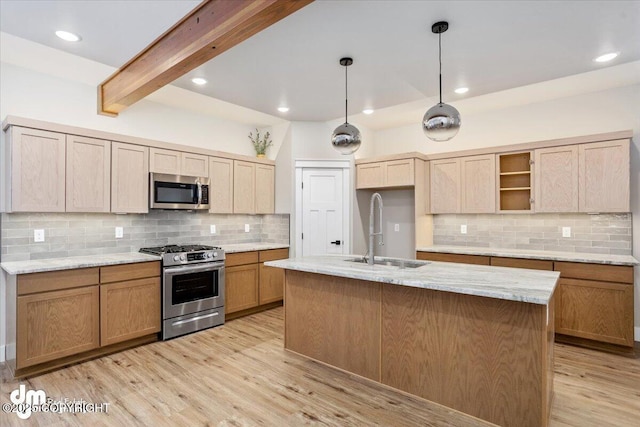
x=514, y=175
x=515, y=189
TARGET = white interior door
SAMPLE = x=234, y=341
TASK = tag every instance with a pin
x=322, y=212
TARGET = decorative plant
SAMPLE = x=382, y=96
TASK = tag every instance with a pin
x=260, y=145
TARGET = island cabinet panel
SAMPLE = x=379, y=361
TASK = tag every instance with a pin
x=88, y=176
x=52, y=325
x=469, y=353
x=556, y=179
x=341, y=319
x=241, y=287
x=460, y=258
x=221, y=190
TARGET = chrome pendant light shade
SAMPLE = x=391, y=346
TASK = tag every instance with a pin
x=346, y=138
x=441, y=122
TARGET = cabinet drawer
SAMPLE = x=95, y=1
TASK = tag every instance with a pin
x=57, y=280
x=463, y=259
x=118, y=273
x=533, y=264
x=604, y=272
x=274, y=254
x=241, y=258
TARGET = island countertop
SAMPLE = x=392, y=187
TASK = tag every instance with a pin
x=515, y=284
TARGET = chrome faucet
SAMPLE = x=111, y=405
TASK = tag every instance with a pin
x=372, y=232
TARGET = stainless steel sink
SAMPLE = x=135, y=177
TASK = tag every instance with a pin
x=393, y=262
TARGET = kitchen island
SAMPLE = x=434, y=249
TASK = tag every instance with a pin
x=473, y=338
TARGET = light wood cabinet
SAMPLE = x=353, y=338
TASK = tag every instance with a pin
x=478, y=184
x=88, y=175
x=129, y=178
x=178, y=162
x=244, y=187
x=390, y=174
x=458, y=258
x=221, y=189
x=36, y=162
x=556, y=179
x=241, y=287
x=265, y=186
x=514, y=182
x=604, y=176
x=445, y=186
x=52, y=325
x=271, y=278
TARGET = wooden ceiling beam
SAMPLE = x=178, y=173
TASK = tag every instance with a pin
x=210, y=29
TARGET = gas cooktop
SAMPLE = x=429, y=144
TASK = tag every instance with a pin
x=173, y=249
x=186, y=254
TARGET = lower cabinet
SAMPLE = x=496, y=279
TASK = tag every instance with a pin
x=460, y=258
x=241, y=287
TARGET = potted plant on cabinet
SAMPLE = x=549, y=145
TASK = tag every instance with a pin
x=260, y=145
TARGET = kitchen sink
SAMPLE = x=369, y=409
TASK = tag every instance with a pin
x=392, y=262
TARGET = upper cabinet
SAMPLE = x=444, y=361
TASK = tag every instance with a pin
x=221, y=192
x=478, y=184
x=556, y=179
x=514, y=182
x=389, y=174
x=445, y=186
x=129, y=178
x=244, y=187
x=178, y=162
x=604, y=176
x=88, y=174
x=265, y=185
x=35, y=170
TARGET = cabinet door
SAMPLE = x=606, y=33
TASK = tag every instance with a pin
x=164, y=161
x=370, y=175
x=601, y=311
x=129, y=178
x=129, y=310
x=241, y=287
x=556, y=179
x=37, y=170
x=604, y=176
x=445, y=186
x=51, y=325
x=194, y=164
x=478, y=184
x=221, y=189
x=271, y=284
x=88, y=174
x=399, y=173
x=265, y=189
x=244, y=187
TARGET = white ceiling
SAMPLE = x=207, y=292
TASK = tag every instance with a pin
x=490, y=46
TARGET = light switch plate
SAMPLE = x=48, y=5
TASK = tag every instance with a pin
x=119, y=232
x=396, y=227
x=463, y=229
x=566, y=231
x=212, y=229
x=38, y=235
x=247, y=228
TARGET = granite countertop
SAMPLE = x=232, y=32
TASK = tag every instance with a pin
x=54, y=264
x=523, y=253
x=249, y=247
x=515, y=284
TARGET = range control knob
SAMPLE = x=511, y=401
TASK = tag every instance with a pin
x=209, y=254
x=176, y=258
x=183, y=258
x=215, y=254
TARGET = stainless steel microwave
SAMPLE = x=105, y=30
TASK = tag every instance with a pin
x=178, y=192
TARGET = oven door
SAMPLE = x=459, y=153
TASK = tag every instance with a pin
x=193, y=288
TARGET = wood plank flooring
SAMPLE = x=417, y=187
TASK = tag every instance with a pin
x=240, y=375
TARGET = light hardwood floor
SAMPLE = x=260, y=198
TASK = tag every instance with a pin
x=240, y=375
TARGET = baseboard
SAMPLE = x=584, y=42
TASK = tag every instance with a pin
x=2, y=351
x=636, y=333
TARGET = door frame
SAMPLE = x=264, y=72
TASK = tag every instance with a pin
x=345, y=165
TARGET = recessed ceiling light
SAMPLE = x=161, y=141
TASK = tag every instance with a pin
x=199, y=81
x=606, y=57
x=67, y=36
x=283, y=109
x=368, y=111
x=462, y=90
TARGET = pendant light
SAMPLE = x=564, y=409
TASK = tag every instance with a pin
x=441, y=122
x=346, y=138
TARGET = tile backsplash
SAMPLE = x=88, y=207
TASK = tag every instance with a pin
x=602, y=233
x=74, y=234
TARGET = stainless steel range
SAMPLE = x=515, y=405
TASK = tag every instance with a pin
x=192, y=288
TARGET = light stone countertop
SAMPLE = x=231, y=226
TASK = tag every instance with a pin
x=515, y=284
x=54, y=264
x=531, y=254
x=249, y=247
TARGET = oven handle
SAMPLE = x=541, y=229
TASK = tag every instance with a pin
x=194, y=269
x=193, y=319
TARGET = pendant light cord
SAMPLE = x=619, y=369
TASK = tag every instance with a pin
x=440, y=60
x=346, y=96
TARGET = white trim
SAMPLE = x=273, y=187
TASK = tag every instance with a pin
x=636, y=333
x=345, y=165
x=2, y=359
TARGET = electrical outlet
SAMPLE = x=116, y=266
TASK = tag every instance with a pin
x=396, y=227
x=38, y=235
x=566, y=231
x=247, y=228
x=463, y=229
x=119, y=232
x=212, y=229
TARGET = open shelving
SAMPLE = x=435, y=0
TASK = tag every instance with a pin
x=514, y=176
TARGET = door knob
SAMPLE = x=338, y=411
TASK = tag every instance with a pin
x=337, y=242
